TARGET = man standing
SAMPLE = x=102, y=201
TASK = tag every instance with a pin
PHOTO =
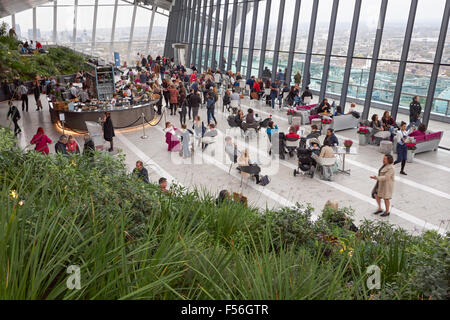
x=13, y=112
x=23, y=92
x=415, y=109
x=140, y=172
x=108, y=130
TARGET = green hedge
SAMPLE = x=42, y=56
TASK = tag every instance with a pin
x=134, y=242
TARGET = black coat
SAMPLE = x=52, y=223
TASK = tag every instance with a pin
x=414, y=110
x=108, y=129
x=14, y=113
x=89, y=148
x=195, y=100
x=60, y=148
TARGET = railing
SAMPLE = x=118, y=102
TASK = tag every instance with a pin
x=360, y=88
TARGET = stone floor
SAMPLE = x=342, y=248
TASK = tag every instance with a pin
x=421, y=200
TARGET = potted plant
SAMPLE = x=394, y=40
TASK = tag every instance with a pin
x=348, y=144
x=290, y=114
x=326, y=124
x=363, y=133
x=411, y=151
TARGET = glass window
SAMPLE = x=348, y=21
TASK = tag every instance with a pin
x=343, y=27
x=272, y=34
x=323, y=25
x=65, y=19
x=385, y=82
x=24, y=24
x=123, y=23
x=367, y=28
x=248, y=25
x=260, y=24
x=288, y=21
x=104, y=23
x=142, y=24
x=304, y=22
x=426, y=31
x=44, y=23
x=394, y=29
x=417, y=81
x=85, y=20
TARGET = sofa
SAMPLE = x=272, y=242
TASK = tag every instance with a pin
x=426, y=143
x=344, y=122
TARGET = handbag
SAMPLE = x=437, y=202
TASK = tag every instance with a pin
x=264, y=181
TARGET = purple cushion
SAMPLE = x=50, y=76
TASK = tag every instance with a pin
x=312, y=106
x=434, y=136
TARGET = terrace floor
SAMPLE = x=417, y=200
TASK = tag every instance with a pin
x=421, y=200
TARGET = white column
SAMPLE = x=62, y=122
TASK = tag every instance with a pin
x=94, y=26
x=34, y=25
x=133, y=20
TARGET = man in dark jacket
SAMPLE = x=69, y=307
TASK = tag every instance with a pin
x=194, y=101
x=13, y=112
x=60, y=146
x=415, y=109
x=306, y=94
x=140, y=172
x=89, y=147
x=108, y=130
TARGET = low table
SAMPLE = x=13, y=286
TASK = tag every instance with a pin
x=343, y=152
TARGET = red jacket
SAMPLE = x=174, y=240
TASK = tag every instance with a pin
x=193, y=77
x=257, y=87
x=41, y=141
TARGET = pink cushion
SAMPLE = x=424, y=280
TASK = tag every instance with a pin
x=306, y=107
x=434, y=136
x=420, y=139
x=313, y=117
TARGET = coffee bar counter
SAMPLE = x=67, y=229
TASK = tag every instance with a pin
x=123, y=115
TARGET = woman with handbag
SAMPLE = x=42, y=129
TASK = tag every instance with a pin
x=385, y=185
x=41, y=141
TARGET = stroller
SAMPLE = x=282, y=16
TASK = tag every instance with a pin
x=306, y=164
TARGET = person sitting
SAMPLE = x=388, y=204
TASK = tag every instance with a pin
x=324, y=107
x=172, y=141
x=338, y=111
x=420, y=132
x=72, y=146
x=307, y=96
x=292, y=135
x=140, y=172
x=352, y=108
x=326, y=160
x=271, y=129
x=60, y=146
x=89, y=147
x=250, y=118
x=315, y=133
x=246, y=168
x=331, y=138
x=163, y=185
x=210, y=136
x=239, y=118
x=389, y=123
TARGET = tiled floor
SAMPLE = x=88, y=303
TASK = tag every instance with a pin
x=421, y=200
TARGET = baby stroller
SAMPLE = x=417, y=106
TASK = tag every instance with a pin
x=306, y=164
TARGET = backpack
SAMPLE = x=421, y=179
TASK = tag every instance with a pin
x=264, y=181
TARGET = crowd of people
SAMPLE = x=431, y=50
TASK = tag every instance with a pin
x=184, y=91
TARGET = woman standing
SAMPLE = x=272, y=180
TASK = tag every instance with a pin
x=385, y=185
x=174, y=94
x=41, y=141
x=108, y=130
x=402, y=149
x=183, y=105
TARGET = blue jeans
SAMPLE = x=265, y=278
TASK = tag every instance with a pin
x=273, y=101
x=210, y=115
